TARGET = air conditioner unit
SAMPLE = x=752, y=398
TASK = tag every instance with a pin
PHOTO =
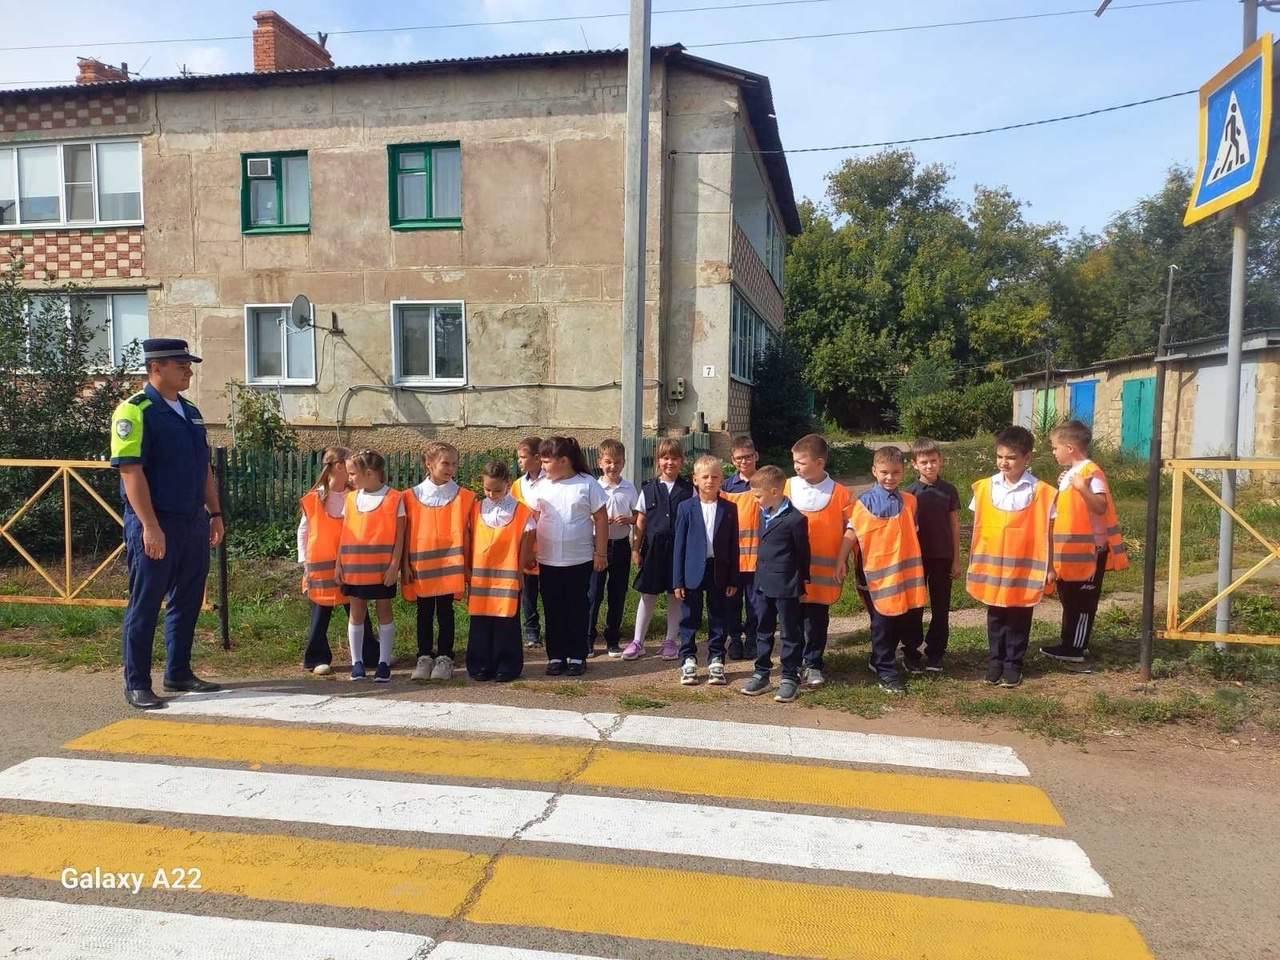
x=259, y=166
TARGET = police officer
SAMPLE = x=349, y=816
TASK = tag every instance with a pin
x=171, y=519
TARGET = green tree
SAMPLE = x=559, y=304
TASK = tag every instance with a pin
x=257, y=419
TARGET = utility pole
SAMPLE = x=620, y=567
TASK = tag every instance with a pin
x=634, y=217
x=1235, y=343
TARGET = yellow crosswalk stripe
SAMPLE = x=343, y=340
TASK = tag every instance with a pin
x=733, y=913
x=721, y=777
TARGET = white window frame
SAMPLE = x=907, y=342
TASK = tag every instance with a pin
x=396, y=359
x=288, y=338
x=62, y=222
x=108, y=295
x=749, y=333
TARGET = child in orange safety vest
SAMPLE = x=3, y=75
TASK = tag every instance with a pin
x=501, y=548
x=890, y=566
x=1010, y=566
x=439, y=517
x=1086, y=539
x=318, y=533
x=738, y=489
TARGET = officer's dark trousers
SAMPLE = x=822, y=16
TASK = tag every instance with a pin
x=178, y=578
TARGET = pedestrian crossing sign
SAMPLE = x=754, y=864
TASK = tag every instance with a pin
x=1235, y=127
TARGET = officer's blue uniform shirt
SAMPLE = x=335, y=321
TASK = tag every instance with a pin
x=173, y=450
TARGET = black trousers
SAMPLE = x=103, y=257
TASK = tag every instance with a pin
x=782, y=613
x=529, y=607
x=611, y=582
x=565, y=606
x=1008, y=630
x=691, y=617
x=887, y=633
x=494, y=651
x=1080, y=606
x=937, y=575
x=431, y=609
x=817, y=619
x=744, y=602
x=318, y=650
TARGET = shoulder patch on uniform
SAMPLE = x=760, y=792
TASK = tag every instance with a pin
x=138, y=397
x=124, y=427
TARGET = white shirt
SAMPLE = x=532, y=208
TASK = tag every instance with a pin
x=1008, y=497
x=640, y=504
x=811, y=497
x=435, y=495
x=498, y=513
x=709, y=521
x=566, y=532
x=368, y=501
x=333, y=507
x=176, y=407
x=623, y=500
x=1098, y=522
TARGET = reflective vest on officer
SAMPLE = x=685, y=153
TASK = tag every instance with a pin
x=368, y=540
x=891, y=558
x=748, y=529
x=1075, y=553
x=1009, y=556
x=826, y=530
x=495, y=564
x=519, y=495
x=435, y=546
x=323, y=535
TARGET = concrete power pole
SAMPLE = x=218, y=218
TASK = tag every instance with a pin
x=635, y=213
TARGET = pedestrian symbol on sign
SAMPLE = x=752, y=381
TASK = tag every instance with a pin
x=1233, y=146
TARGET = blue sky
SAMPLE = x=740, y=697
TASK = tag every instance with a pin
x=831, y=91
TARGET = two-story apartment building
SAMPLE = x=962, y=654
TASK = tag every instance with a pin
x=457, y=225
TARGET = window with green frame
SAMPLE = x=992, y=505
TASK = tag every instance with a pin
x=275, y=192
x=425, y=185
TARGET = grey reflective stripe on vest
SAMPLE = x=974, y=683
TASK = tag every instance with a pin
x=321, y=566
x=1024, y=582
x=1079, y=555
x=896, y=588
x=437, y=573
x=495, y=573
x=439, y=554
x=749, y=548
x=320, y=584
x=1073, y=538
x=505, y=593
x=1036, y=566
x=822, y=560
x=358, y=548
x=364, y=567
x=911, y=563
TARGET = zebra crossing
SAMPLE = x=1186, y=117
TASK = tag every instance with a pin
x=468, y=828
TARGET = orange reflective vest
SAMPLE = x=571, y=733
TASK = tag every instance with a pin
x=435, y=546
x=495, y=564
x=368, y=540
x=323, y=534
x=1009, y=556
x=826, y=530
x=891, y=558
x=516, y=492
x=748, y=529
x=1075, y=554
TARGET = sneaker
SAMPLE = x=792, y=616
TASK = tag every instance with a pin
x=670, y=650
x=1064, y=653
x=422, y=672
x=1011, y=678
x=322, y=670
x=383, y=673
x=994, y=672
x=813, y=677
x=787, y=690
x=357, y=671
x=893, y=685
x=715, y=673
x=443, y=670
x=758, y=684
x=933, y=666
x=634, y=651
x=532, y=641
x=592, y=652
x=689, y=672
x=575, y=668
x=555, y=668
x=614, y=651
x=914, y=665
x=736, y=651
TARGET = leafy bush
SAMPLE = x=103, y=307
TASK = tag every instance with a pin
x=781, y=404
x=991, y=405
x=957, y=414
x=257, y=419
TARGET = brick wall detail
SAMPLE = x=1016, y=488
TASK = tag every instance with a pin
x=279, y=45
x=80, y=254
x=752, y=277
x=88, y=114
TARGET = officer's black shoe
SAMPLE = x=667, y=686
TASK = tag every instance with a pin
x=192, y=684
x=143, y=700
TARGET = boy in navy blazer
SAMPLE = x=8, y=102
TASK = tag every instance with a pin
x=705, y=564
x=782, y=570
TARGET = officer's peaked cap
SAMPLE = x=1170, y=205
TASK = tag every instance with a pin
x=167, y=348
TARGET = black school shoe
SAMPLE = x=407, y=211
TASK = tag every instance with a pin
x=1064, y=653
x=914, y=665
x=995, y=670
x=735, y=650
x=1011, y=678
x=575, y=668
x=555, y=668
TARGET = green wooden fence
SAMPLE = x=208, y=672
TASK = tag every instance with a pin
x=264, y=487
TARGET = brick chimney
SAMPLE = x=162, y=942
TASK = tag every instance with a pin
x=279, y=45
x=95, y=71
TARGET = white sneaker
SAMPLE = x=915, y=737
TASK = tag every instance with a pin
x=422, y=672
x=813, y=677
x=443, y=669
x=689, y=672
x=715, y=673
x=322, y=670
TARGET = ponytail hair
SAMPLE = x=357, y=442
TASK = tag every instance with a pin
x=370, y=460
x=332, y=455
x=566, y=447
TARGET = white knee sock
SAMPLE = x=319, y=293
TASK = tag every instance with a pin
x=386, y=637
x=673, y=618
x=355, y=640
x=644, y=613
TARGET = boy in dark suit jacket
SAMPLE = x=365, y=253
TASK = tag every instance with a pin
x=705, y=564
x=782, y=570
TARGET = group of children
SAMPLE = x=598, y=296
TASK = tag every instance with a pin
x=741, y=559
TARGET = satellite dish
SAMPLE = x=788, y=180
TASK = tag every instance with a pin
x=299, y=313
